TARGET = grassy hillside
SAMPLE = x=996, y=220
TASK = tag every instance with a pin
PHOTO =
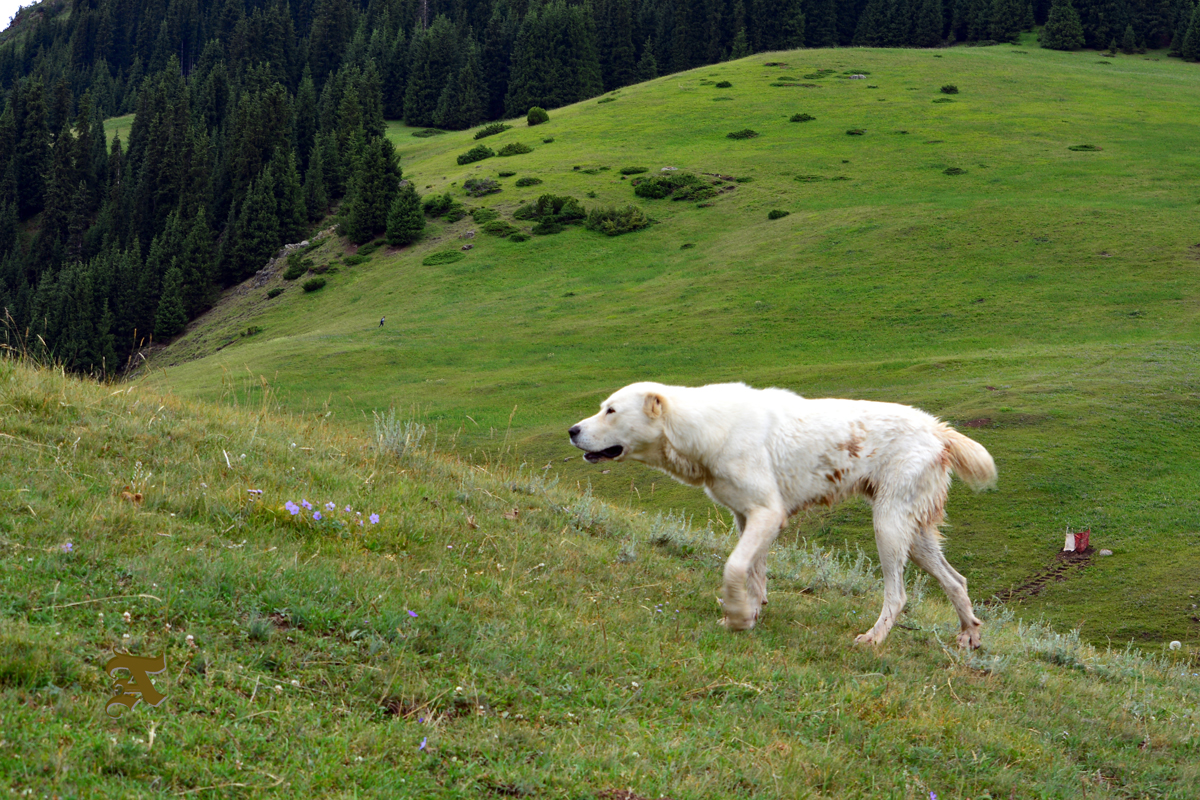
x=492, y=634
x=1045, y=298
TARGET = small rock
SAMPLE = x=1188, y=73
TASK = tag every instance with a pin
x=467, y=246
x=1106, y=552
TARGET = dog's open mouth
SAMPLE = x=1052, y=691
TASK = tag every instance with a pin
x=607, y=454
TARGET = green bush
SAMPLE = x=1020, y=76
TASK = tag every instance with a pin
x=313, y=284
x=553, y=209
x=278, y=290
x=1085, y=148
x=536, y=116
x=528, y=181
x=491, y=130
x=478, y=187
x=664, y=184
x=954, y=171
x=547, y=227
x=855, y=132
x=368, y=249
x=949, y=88
x=499, y=227
x=634, y=170
x=427, y=132
x=613, y=221
x=477, y=153
x=253, y=330
x=482, y=215
x=437, y=205
x=723, y=85
x=775, y=213
x=698, y=191
x=444, y=257
x=355, y=260
x=519, y=237
x=943, y=100
x=605, y=100
x=456, y=212
x=548, y=140
x=514, y=149
x=744, y=133
x=802, y=118
x=506, y=174
x=296, y=266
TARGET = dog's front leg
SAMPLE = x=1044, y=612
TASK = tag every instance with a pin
x=745, y=571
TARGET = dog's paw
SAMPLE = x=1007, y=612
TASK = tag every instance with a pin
x=865, y=638
x=969, y=639
x=733, y=622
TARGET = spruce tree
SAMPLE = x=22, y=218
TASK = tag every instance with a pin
x=927, y=31
x=316, y=201
x=373, y=189
x=1063, y=30
x=497, y=48
x=740, y=47
x=1190, y=46
x=171, y=317
x=1129, y=41
x=1006, y=19
x=820, y=28
x=647, y=67
x=405, y=220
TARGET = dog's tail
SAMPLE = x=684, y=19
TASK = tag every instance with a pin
x=968, y=459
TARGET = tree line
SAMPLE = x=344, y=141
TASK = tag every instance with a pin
x=254, y=118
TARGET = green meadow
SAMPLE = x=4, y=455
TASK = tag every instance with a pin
x=1042, y=298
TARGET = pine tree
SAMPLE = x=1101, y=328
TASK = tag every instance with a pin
x=316, y=201
x=373, y=188
x=195, y=263
x=647, y=67
x=306, y=118
x=740, y=47
x=405, y=220
x=821, y=23
x=1190, y=46
x=1129, y=41
x=1006, y=19
x=171, y=317
x=871, y=30
x=461, y=104
x=497, y=49
x=1063, y=30
x=927, y=31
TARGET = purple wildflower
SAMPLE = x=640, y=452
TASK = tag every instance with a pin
x=306, y=504
x=374, y=518
x=423, y=740
x=412, y=613
x=69, y=548
x=292, y=508
x=348, y=509
x=317, y=515
x=330, y=506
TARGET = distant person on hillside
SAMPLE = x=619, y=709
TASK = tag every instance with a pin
x=381, y=319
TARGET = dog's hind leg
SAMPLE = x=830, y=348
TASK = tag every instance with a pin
x=927, y=552
x=893, y=537
x=745, y=572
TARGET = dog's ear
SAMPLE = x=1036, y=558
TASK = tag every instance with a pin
x=654, y=406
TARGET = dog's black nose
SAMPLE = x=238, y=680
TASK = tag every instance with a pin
x=574, y=431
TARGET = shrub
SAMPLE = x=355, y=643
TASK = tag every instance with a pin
x=456, y=212
x=478, y=187
x=746, y=179
x=943, y=100
x=444, y=257
x=499, y=227
x=477, y=153
x=634, y=170
x=482, y=215
x=775, y=213
x=506, y=174
x=313, y=284
x=368, y=249
x=548, y=140
x=552, y=208
x=719, y=99
x=801, y=118
x=519, y=237
x=528, y=181
x=253, y=330
x=723, y=85
x=355, y=260
x=613, y=221
x=605, y=100
x=809, y=178
x=547, y=227
x=437, y=205
x=491, y=130
x=855, y=132
x=536, y=116
x=1086, y=148
x=664, y=184
x=296, y=267
x=949, y=88
x=514, y=149
x=278, y=290
x=954, y=171
x=427, y=132
x=744, y=133
x=697, y=191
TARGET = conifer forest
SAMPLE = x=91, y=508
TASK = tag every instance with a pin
x=255, y=120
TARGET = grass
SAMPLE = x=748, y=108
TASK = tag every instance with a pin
x=496, y=633
x=1044, y=301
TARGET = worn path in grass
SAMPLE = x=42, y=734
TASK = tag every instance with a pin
x=1046, y=296
x=491, y=635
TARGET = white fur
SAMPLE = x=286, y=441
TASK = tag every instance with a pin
x=767, y=453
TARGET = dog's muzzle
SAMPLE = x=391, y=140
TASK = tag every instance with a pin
x=595, y=456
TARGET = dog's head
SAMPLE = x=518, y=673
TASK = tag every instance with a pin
x=628, y=425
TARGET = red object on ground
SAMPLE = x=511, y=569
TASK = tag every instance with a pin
x=1081, y=540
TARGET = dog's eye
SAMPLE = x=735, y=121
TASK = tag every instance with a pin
x=611, y=411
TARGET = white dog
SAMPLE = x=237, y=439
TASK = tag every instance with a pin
x=767, y=453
